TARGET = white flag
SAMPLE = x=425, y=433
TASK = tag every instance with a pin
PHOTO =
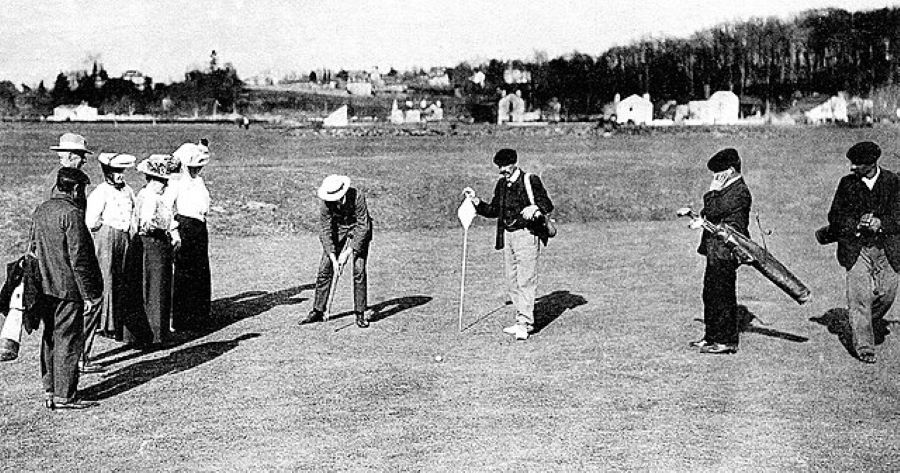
x=466, y=212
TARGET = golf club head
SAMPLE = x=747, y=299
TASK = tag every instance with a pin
x=685, y=212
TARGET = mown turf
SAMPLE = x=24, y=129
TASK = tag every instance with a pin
x=608, y=382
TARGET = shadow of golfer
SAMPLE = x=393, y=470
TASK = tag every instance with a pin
x=549, y=307
x=385, y=309
x=141, y=372
x=223, y=312
x=837, y=321
x=745, y=322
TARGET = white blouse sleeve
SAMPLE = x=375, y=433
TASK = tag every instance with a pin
x=92, y=214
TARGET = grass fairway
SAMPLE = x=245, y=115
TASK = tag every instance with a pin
x=607, y=383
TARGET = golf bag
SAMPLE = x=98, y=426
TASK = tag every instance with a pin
x=750, y=253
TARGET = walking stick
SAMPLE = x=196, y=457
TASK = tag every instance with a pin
x=465, y=213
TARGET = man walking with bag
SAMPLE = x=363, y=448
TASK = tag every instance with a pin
x=521, y=206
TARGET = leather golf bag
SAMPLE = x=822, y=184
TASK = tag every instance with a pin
x=750, y=253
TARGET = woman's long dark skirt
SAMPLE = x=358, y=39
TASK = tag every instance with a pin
x=191, y=286
x=150, y=318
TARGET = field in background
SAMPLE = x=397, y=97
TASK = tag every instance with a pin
x=607, y=383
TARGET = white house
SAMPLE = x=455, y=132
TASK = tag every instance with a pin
x=510, y=108
x=635, y=109
x=724, y=107
x=359, y=88
x=75, y=113
x=832, y=110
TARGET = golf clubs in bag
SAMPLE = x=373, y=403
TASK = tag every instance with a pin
x=749, y=252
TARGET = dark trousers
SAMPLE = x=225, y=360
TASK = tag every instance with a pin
x=191, y=289
x=720, y=301
x=360, y=281
x=61, y=347
x=150, y=315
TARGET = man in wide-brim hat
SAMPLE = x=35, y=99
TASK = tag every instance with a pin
x=109, y=212
x=345, y=230
x=864, y=219
x=72, y=152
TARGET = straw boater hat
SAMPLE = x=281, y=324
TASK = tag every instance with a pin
x=116, y=160
x=334, y=187
x=71, y=142
x=157, y=165
x=192, y=155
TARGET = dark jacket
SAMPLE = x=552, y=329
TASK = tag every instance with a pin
x=509, y=200
x=351, y=219
x=23, y=270
x=65, y=251
x=853, y=199
x=730, y=206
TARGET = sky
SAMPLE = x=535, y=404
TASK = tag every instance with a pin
x=166, y=38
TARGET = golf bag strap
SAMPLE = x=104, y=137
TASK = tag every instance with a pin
x=528, y=188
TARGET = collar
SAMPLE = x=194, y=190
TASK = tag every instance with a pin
x=514, y=177
x=732, y=181
x=870, y=182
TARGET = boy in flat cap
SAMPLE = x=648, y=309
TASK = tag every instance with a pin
x=727, y=202
x=518, y=219
x=865, y=219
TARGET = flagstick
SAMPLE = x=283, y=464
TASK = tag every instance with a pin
x=462, y=283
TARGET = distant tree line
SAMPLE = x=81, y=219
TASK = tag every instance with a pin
x=202, y=91
x=818, y=51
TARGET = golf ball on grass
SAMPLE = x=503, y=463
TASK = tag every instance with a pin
x=438, y=358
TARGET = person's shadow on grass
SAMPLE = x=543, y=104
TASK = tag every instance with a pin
x=837, y=321
x=745, y=323
x=549, y=307
x=223, y=312
x=388, y=308
x=141, y=372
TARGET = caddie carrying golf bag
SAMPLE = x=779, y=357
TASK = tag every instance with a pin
x=748, y=252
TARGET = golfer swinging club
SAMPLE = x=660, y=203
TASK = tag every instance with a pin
x=517, y=221
x=345, y=230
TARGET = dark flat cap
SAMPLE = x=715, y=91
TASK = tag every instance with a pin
x=864, y=152
x=505, y=157
x=724, y=159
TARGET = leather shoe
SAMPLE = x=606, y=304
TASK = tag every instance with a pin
x=867, y=357
x=699, y=343
x=361, y=320
x=74, y=405
x=719, y=349
x=313, y=316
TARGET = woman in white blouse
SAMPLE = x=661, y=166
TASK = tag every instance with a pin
x=191, y=285
x=109, y=216
x=158, y=238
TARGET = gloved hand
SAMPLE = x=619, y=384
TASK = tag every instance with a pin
x=531, y=212
x=696, y=223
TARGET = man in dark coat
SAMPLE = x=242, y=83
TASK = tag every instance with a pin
x=345, y=230
x=519, y=220
x=71, y=284
x=865, y=218
x=727, y=202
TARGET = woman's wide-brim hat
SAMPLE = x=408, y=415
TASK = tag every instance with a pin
x=156, y=165
x=117, y=160
x=333, y=188
x=71, y=142
x=192, y=154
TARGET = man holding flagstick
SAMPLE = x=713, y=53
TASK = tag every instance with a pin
x=518, y=222
x=345, y=230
